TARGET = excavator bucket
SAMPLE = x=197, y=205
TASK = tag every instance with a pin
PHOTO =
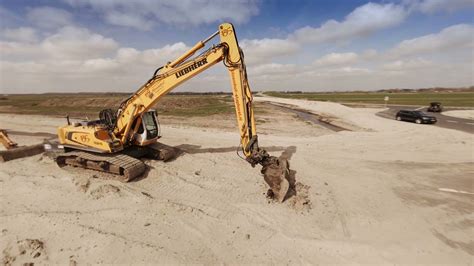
x=276, y=173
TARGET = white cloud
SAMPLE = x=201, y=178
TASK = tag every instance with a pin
x=71, y=58
x=18, y=51
x=168, y=52
x=49, y=17
x=363, y=21
x=143, y=14
x=66, y=45
x=128, y=20
x=369, y=54
x=75, y=43
x=273, y=69
x=336, y=59
x=337, y=72
x=104, y=65
x=448, y=63
x=74, y=59
x=451, y=38
x=411, y=64
x=150, y=57
x=265, y=50
x=21, y=34
x=436, y=6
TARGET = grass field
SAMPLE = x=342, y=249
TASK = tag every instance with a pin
x=89, y=104
x=458, y=99
x=83, y=104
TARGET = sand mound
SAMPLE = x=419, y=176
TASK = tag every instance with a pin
x=94, y=188
x=24, y=252
x=104, y=190
x=300, y=201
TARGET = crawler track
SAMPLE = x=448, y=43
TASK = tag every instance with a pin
x=124, y=167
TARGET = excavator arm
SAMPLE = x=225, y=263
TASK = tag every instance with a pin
x=183, y=68
x=180, y=70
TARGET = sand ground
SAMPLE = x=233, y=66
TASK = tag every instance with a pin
x=466, y=114
x=385, y=192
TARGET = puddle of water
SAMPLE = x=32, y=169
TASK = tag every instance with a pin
x=315, y=119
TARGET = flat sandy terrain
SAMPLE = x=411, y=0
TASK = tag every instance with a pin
x=466, y=114
x=382, y=192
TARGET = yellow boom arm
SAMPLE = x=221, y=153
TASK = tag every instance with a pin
x=180, y=70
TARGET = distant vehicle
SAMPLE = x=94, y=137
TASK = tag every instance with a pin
x=415, y=116
x=435, y=107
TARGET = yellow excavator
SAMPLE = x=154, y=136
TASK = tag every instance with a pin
x=6, y=141
x=116, y=141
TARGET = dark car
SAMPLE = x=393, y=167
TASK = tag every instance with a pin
x=415, y=116
x=435, y=107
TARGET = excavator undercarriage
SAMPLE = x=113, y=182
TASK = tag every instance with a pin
x=125, y=165
x=124, y=168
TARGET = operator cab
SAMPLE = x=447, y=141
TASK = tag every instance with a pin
x=148, y=130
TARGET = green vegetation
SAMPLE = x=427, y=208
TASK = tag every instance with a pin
x=90, y=104
x=203, y=105
x=464, y=99
x=85, y=104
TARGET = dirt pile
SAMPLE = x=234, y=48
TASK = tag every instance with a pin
x=104, y=190
x=300, y=200
x=24, y=252
x=92, y=186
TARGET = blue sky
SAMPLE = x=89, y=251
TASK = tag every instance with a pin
x=87, y=45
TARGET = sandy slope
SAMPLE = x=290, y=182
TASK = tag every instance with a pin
x=374, y=197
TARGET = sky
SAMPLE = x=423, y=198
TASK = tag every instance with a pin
x=307, y=45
